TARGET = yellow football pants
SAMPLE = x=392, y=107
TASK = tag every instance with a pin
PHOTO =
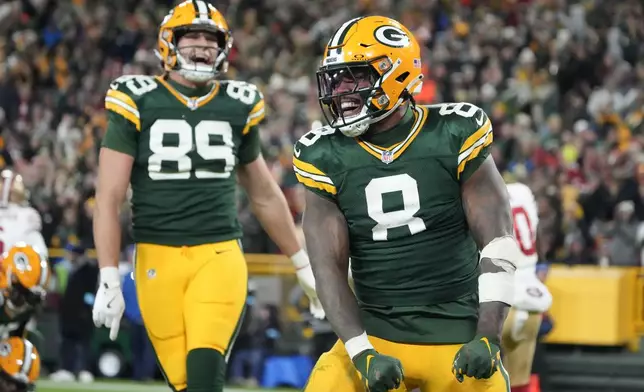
x=190, y=297
x=426, y=367
x=519, y=346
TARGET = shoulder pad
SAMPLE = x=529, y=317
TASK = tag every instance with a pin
x=312, y=144
x=125, y=93
x=470, y=131
x=244, y=92
x=248, y=95
x=311, y=160
x=32, y=219
x=464, y=119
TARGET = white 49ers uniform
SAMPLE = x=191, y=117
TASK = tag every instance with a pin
x=531, y=297
x=21, y=224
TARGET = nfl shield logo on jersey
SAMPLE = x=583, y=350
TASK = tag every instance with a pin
x=387, y=157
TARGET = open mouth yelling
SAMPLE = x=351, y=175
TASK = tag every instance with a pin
x=201, y=59
x=350, y=105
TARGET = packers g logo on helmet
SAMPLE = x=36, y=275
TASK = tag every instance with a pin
x=392, y=36
x=373, y=60
x=193, y=15
x=19, y=364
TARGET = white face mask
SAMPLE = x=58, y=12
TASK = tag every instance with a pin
x=361, y=126
x=354, y=129
x=199, y=72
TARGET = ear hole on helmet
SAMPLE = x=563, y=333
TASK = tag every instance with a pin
x=401, y=78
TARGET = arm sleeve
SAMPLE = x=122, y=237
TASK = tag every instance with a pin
x=121, y=135
x=309, y=167
x=475, y=140
x=250, y=147
x=124, y=122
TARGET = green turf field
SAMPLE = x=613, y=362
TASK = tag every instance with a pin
x=99, y=386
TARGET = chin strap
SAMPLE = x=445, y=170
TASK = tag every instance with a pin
x=356, y=129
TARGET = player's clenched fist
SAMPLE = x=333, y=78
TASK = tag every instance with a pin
x=479, y=359
x=109, y=304
x=379, y=373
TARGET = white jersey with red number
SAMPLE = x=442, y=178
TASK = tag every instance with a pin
x=530, y=293
x=21, y=224
x=526, y=220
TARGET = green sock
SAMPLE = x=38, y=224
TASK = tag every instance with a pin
x=206, y=370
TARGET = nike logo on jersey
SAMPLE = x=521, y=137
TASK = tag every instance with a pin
x=479, y=121
x=297, y=152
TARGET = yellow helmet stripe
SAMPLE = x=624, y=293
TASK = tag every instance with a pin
x=340, y=35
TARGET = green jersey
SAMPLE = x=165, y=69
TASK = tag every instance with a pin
x=186, y=145
x=414, y=262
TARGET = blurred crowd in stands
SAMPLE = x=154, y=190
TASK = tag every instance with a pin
x=562, y=80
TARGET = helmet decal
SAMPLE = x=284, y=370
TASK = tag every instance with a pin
x=392, y=36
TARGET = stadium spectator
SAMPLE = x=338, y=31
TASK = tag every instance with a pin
x=144, y=364
x=77, y=276
x=252, y=342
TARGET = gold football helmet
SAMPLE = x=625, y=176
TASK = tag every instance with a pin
x=19, y=365
x=371, y=66
x=12, y=188
x=26, y=275
x=189, y=16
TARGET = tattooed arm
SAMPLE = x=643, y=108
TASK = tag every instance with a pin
x=486, y=206
x=327, y=240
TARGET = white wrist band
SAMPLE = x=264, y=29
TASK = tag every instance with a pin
x=300, y=259
x=355, y=346
x=110, y=275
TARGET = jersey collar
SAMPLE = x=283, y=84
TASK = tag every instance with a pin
x=389, y=154
x=192, y=98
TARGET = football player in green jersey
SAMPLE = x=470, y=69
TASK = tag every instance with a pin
x=411, y=195
x=181, y=141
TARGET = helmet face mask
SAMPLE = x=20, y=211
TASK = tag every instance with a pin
x=181, y=49
x=374, y=60
x=344, y=93
x=20, y=298
x=201, y=53
x=9, y=384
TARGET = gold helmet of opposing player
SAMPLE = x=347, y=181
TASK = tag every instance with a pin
x=196, y=63
x=26, y=275
x=19, y=365
x=12, y=188
x=371, y=66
